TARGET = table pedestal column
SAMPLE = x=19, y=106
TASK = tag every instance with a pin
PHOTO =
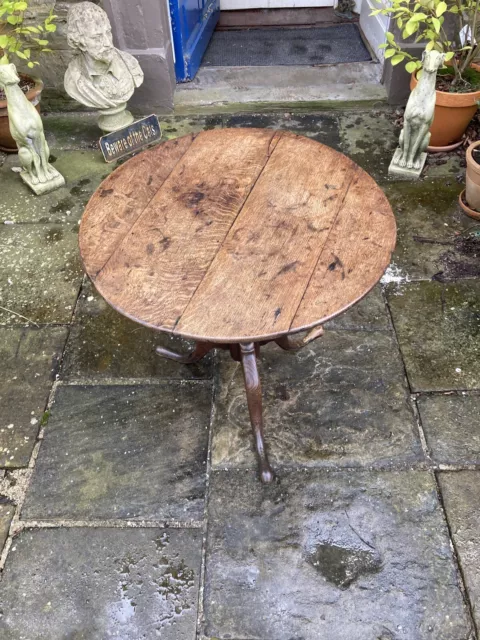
x=246, y=354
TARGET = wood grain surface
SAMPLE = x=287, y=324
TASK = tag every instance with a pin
x=236, y=235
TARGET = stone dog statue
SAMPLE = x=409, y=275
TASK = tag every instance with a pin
x=99, y=76
x=26, y=128
x=410, y=155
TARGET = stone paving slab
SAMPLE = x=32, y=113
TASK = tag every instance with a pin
x=30, y=359
x=438, y=328
x=72, y=131
x=94, y=584
x=370, y=314
x=40, y=273
x=341, y=401
x=7, y=511
x=177, y=126
x=130, y=452
x=462, y=503
x=451, y=424
x=104, y=345
x=461, y=499
x=336, y=555
x=370, y=139
x=322, y=127
x=83, y=171
x=429, y=227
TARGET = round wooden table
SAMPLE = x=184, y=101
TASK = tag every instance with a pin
x=235, y=238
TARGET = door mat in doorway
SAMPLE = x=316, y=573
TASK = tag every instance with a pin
x=294, y=46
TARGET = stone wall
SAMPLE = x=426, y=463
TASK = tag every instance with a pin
x=52, y=65
x=139, y=26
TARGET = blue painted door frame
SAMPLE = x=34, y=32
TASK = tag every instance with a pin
x=193, y=22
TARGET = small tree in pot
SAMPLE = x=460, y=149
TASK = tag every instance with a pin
x=20, y=41
x=458, y=84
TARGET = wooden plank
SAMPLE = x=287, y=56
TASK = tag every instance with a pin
x=121, y=198
x=356, y=254
x=255, y=284
x=160, y=263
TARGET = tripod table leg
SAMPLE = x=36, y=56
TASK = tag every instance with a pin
x=254, y=400
x=201, y=349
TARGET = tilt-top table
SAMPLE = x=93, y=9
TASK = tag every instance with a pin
x=235, y=238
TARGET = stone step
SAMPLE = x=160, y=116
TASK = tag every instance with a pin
x=230, y=89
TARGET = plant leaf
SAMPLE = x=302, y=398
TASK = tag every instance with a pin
x=411, y=27
x=397, y=59
x=389, y=53
x=449, y=55
x=437, y=24
x=411, y=66
x=441, y=8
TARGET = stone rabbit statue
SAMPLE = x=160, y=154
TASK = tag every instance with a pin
x=27, y=130
x=410, y=155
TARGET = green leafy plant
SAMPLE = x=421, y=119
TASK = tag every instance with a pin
x=425, y=19
x=21, y=40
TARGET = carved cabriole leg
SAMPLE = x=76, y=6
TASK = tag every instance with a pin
x=254, y=400
x=201, y=349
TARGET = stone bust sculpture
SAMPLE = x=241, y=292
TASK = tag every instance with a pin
x=99, y=76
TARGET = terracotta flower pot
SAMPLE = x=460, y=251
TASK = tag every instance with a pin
x=472, y=191
x=7, y=143
x=453, y=112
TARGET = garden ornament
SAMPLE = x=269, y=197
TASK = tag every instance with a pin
x=99, y=76
x=26, y=128
x=409, y=158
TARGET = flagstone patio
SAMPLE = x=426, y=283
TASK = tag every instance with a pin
x=129, y=502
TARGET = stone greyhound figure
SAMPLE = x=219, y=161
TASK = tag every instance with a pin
x=419, y=112
x=27, y=130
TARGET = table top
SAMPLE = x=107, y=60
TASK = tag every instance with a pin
x=236, y=235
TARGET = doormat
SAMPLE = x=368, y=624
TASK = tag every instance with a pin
x=270, y=47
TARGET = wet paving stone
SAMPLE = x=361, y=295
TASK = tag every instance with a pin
x=332, y=555
x=432, y=232
x=322, y=127
x=104, y=345
x=101, y=583
x=83, y=171
x=438, y=328
x=461, y=499
x=448, y=165
x=7, y=511
x=130, y=452
x=370, y=314
x=451, y=424
x=76, y=131
x=341, y=401
x=370, y=139
x=40, y=273
x=30, y=360
x=177, y=126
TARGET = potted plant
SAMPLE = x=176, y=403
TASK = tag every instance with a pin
x=470, y=197
x=458, y=83
x=20, y=41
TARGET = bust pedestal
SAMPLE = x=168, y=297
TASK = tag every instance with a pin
x=115, y=118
